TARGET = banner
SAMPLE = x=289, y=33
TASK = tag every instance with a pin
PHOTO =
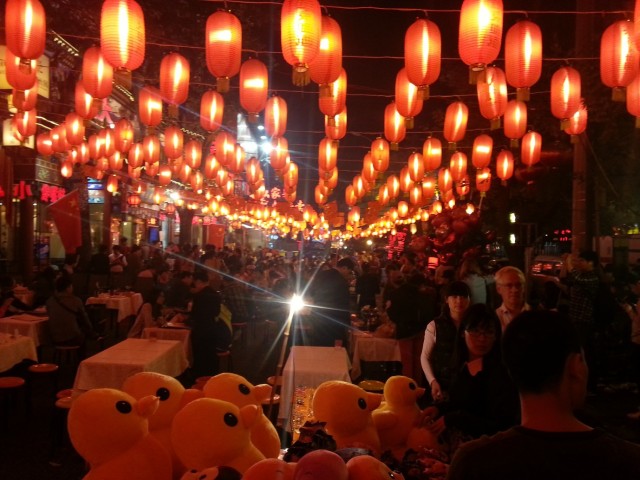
x=66, y=215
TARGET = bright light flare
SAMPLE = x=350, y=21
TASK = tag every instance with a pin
x=296, y=303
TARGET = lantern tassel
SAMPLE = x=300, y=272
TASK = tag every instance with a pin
x=619, y=94
x=408, y=123
x=522, y=94
x=325, y=90
x=300, y=77
x=222, y=84
x=495, y=123
x=513, y=143
x=423, y=92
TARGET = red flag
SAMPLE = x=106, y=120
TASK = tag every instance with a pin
x=66, y=215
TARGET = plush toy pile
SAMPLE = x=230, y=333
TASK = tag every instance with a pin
x=155, y=429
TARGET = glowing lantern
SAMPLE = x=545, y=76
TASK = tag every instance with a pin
x=618, y=58
x=462, y=186
x=152, y=169
x=380, y=154
x=112, y=184
x=327, y=154
x=369, y=172
x=319, y=197
x=174, y=81
x=393, y=184
x=359, y=186
x=164, y=175
x=25, y=99
x=211, y=166
x=176, y=165
x=350, y=196
x=482, y=150
x=403, y=209
x=336, y=128
x=458, y=166
x=134, y=172
x=102, y=164
x=523, y=57
x=253, y=170
x=428, y=188
x=408, y=100
x=383, y=194
x=254, y=84
x=59, y=138
x=26, y=122
x=480, y=33
x=25, y=28
x=432, y=154
x=84, y=104
x=237, y=164
x=327, y=65
x=133, y=200
x=150, y=106
x=334, y=103
x=74, y=126
x=193, y=153
x=290, y=177
x=405, y=179
x=116, y=161
x=122, y=34
x=196, y=181
x=19, y=75
x=531, y=147
x=394, y=126
x=44, y=144
x=123, y=137
x=565, y=93
x=353, y=216
x=173, y=142
x=97, y=73
x=223, y=47
x=504, y=165
x=225, y=147
x=151, y=148
x=578, y=123
x=422, y=54
x=66, y=169
x=228, y=188
x=279, y=153
x=415, y=195
x=492, y=95
x=211, y=110
x=184, y=173
x=455, y=123
x=515, y=121
x=332, y=181
x=95, y=146
x=300, y=33
x=445, y=182
x=275, y=116
x=135, y=157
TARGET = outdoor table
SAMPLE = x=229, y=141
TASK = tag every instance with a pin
x=183, y=335
x=14, y=350
x=369, y=348
x=125, y=305
x=310, y=367
x=110, y=368
x=27, y=325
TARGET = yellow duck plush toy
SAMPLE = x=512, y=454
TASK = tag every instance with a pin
x=346, y=410
x=110, y=430
x=365, y=467
x=172, y=395
x=270, y=469
x=237, y=390
x=213, y=433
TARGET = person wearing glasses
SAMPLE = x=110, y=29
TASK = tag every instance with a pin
x=510, y=285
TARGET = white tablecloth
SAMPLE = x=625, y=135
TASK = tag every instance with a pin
x=126, y=305
x=182, y=335
x=309, y=367
x=368, y=348
x=27, y=325
x=109, y=368
x=14, y=350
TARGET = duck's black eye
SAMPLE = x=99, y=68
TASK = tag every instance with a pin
x=244, y=389
x=123, y=406
x=412, y=386
x=230, y=419
x=362, y=403
x=163, y=394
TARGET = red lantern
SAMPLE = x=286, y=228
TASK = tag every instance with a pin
x=59, y=138
x=227, y=188
x=515, y=121
x=254, y=84
x=184, y=173
x=359, y=186
x=123, y=135
x=150, y=106
x=25, y=28
x=74, y=127
x=279, y=153
x=428, y=189
x=253, y=170
x=483, y=180
x=85, y=106
x=565, y=93
x=164, y=175
x=403, y=209
x=133, y=200
x=338, y=130
x=350, y=196
x=380, y=154
x=415, y=195
x=174, y=81
x=112, y=184
x=320, y=198
x=327, y=65
x=482, y=150
x=173, y=142
x=394, y=126
x=196, y=180
x=300, y=32
x=83, y=153
x=578, y=122
x=334, y=103
x=523, y=57
x=290, y=177
x=327, y=154
x=122, y=35
x=135, y=157
x=193, y=153
x=462, y=186
x=151, y=147
x=225, y=147
x=408, y=100
x=445, y=182
x=458, y=166
x=25, y=99
x=211, y=110
x=237, y=164
x=618, y=58
x=211, y=166
x=20, y=76
x=383, y=194
x=223, y=47
x=432, y=154
x=66, y=169
x=116, y=161
x=492, y=95
x=455, y=123
x=44, y=144
x=416, y=166
x=332, y=181
x=504, y=165
x=405, y=179
x=95, y=146
x=393, y=184
x=531, y=147
x=97, y=73
x=152, y=169
x=275, y=116
x=422, y=54
x=480, y=33
x=26, y=122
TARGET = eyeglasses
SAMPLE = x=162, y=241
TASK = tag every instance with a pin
x=481, y=333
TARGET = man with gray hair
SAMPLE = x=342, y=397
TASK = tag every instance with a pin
x=510, y=285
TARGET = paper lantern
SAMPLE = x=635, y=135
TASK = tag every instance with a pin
x=123, y=135
x=492, y=95
x=416, y=166
x=152, y=169
x=290, y=177
x=228, y=188
x=523, y=57
x=565, y=93
x=173, y=142
x=196, y=180
x=279, y=153
x=335, y=128
x=84, y=104
x=176, y=165
x=480, y=33
x=25, y=28
x=83, y=153
x=193, y=153
x=319, y=197
x=102, y=164
x=122, y=33
x=350, y=196
x=26, y=122
x=21, y=76
x=223, y=47
x=184, y=173
x=394, y=126
x=393, y=184
x=112, y=184
x=151, y=148
x=66, y=169
x=327, y=65
x=455, y=123
x=95, y=146
x=408, y=100
x=428, y=189
x=482, y=150
x=134, y=200
x=462, y=186
x=211, y=166
x=25, y=99
x=334, y=103
x=254, y=84
x=445, y=182
x=59, y=139
x=275, y=116
x=415, y=195
x=458, y=166
x=97, y=73
x=369, y=172
x=578, y=121
x=150, y=106
x=74, y=127
x=44, y=144
x=618, y=58
x=380, y=154
x=515, y=121
x=531, y=148
x=164, y=175
x=108, y=141
x=403, y=209
x=383, y=194
x=327, y=154
x=116, y=161
x=300, y=33
x=359, y=186
x=405, y=179
x=332, y=179
x=432, y=154
x=237, y=163
x=135, y=157
x=211, y=110
x=504, y=165
x=225, y=147
x=483, y=180
x=174, y=81
x=422, y=54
